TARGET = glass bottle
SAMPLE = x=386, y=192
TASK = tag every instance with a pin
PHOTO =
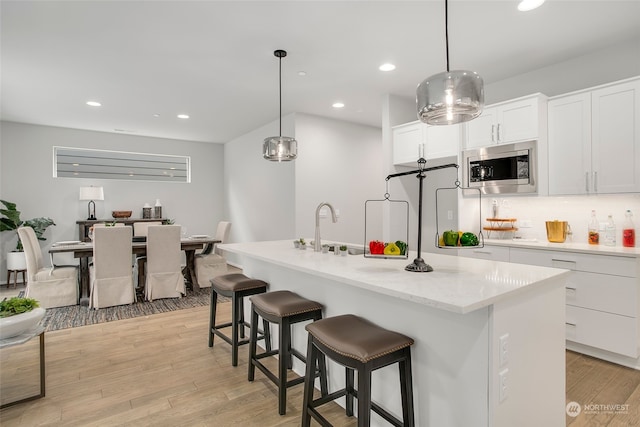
x=628, y=231
x=610, y=232
x=594, y=226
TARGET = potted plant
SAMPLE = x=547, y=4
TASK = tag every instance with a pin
x=18, y=315
x=10, y=221
x=343, y=250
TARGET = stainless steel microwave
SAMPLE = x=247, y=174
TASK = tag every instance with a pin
x=499, y=169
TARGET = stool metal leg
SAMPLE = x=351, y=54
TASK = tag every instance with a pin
x=253, y=344
x=307, y=398
x=284, y=361
x=350, y=391
x=212, y=315
x=364, y=397
x=235, y=322
x=406, y=389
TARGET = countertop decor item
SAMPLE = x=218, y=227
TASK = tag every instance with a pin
x=91, y=194
x=18, y=315
x=452, y=96
x=280, y=148
x=121, y=214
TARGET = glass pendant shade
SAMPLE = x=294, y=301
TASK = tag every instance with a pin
x=450, y=97
x=280, y=148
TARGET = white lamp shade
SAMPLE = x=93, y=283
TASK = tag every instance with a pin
x=450, y=97
x=91, y=193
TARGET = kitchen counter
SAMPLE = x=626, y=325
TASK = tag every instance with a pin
x=458, y=314
x=460, y=285
x=566, y=247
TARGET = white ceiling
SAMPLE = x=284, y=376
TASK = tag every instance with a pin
x=214, y=60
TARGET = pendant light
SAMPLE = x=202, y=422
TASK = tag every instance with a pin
x=280, y=148
x=450, y=97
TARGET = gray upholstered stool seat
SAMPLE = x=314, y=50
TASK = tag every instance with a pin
x=235, y=286
x=283, y=308
x=358, y=344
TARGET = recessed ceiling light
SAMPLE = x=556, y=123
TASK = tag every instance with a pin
x=527, y=5
x=302, y=73
x=183, y=116
x=387, y=67
x=94, y=104
x=338, y=105
x=156, y=115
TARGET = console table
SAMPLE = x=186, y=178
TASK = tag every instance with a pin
x=84, y=225
x=21, y=339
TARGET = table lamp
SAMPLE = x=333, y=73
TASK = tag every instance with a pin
x=91, y=194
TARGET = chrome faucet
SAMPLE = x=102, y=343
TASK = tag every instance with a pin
x=317, y=244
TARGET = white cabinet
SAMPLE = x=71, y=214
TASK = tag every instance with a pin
x=594, y=141
x=436, y=141
x=492, y=253
x=602, y=297
x=522, y=119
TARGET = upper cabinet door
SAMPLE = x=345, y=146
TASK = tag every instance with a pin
x=481, y=131
x=518, y=121
x=570, y=144
x=616, y=138
x=406, y=141
x=507, y=122
x=442, y=141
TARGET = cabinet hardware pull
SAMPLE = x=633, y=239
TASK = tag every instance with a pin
x=493, y=133
x=482, y=252
x=595, y=182
x=498, y=133
x=586, y=181
x=562, y=260
x=571, y=289
x=570, y=324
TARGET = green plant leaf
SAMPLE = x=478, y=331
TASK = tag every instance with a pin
x=17, y=305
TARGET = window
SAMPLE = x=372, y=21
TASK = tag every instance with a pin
x=105, y=164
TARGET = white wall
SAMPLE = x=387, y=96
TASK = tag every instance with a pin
x=27, y=179
x=258, y=194
x=339, y=163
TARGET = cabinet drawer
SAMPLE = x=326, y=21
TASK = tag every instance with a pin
x=610, y=332
x=604, y=264
x=492, y=253
x=611, y=294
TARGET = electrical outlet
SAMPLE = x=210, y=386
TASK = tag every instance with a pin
x=449, y=215
x=525, y=223
x=503, y=385
x=504, y=350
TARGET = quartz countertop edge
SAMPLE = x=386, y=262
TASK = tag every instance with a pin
x=566, y=247
x=457, y=284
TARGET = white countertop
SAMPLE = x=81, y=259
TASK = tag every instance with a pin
x=566, y=247
x=457, y=284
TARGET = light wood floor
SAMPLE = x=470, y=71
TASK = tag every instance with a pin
x=158, y=371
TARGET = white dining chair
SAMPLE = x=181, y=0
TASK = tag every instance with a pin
x=164, y=277
x=51, y=287
x=140, y=229
x=211, y=264
x=111, y=275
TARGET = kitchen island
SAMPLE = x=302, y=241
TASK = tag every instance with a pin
x=489, y=336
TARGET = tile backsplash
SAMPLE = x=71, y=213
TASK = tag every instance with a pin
x=535, y=211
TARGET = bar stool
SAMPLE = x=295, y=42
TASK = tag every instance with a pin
x=284, y=308
x=358, y=344
x=235, y=286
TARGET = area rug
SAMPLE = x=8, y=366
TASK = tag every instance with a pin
x=77, y=315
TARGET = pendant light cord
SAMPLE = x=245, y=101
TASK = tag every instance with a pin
x=280, y=91
x=446, y=30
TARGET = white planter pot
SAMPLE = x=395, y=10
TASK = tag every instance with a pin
x=16, y=261
x=15, y=325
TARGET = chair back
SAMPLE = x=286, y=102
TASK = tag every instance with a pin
x=32, y=251
x=140, y=229
x=112, y=252
x=163, y=249
x=222, y=232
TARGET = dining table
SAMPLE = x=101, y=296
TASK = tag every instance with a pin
x=84, y=252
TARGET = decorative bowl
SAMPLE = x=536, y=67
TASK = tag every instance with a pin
x=18, y=324
x=121, y=214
